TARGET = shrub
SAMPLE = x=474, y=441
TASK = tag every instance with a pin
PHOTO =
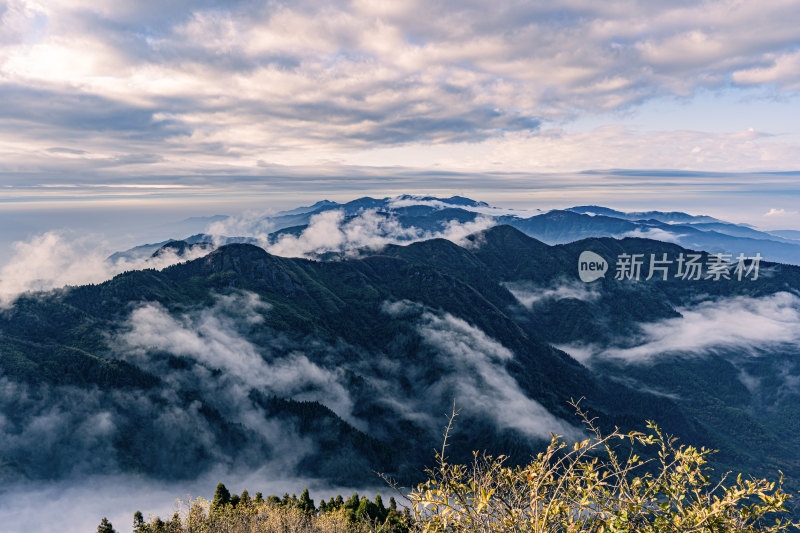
x=587, y=486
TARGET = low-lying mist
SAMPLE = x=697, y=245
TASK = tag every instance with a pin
x=56, y=259
x=76, y=505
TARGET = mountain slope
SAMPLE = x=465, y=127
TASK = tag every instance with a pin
x=333, y=369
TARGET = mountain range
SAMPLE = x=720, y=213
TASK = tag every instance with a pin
x=341, y=363
x=427, y=216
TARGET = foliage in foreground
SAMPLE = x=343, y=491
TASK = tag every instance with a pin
x=591, y=487
x=600, y=485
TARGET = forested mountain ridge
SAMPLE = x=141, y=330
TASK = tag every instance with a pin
x=336, y=369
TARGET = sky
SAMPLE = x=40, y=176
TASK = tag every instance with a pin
x=116, y=113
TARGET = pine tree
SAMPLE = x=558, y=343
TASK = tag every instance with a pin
x=380, y=511
x=339, y=502
x=392, y=504
x=351, y=506
x=323, y=507
x=105, y=526
x=353, y=502
x=364, y=511
x=259, y=498
x=244, y=499
x=306, y=503
x=222, y=497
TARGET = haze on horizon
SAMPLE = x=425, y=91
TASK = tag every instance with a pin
x=117, y=114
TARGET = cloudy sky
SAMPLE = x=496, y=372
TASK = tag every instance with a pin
x=213, y=106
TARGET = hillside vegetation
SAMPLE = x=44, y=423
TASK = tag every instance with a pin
x=616, y=482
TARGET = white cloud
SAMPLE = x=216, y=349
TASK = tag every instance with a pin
x=53, y=260
x=528, y=294
x=188, y=91
x=781, y=69
x=251, y=223
x=614, y=146
x=331, y=231
x=401, y=308
x=66, y=438
x=657, y=234
x=208, y=338
x=741, y=323
x=481, y=381
x=773, y=212
x=489, y=210
x=476, y=375
x=458, y=232
x=213, y=338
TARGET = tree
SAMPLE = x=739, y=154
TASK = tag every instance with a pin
x=222, y=497
x=158, y=526
x=353, y=502
x=138, y=522
x=380, y=510
x=351, y=507
x=266, y=517
x=392, y=504
x=366, y=510
x=259, y=498
x=306, y=503
x=175, y=525
x=244, y=499
x=105, y=526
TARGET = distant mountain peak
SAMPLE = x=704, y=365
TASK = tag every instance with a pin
x=316, y=206
x=180, y=248
x=661, y=216
x=460, y=201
